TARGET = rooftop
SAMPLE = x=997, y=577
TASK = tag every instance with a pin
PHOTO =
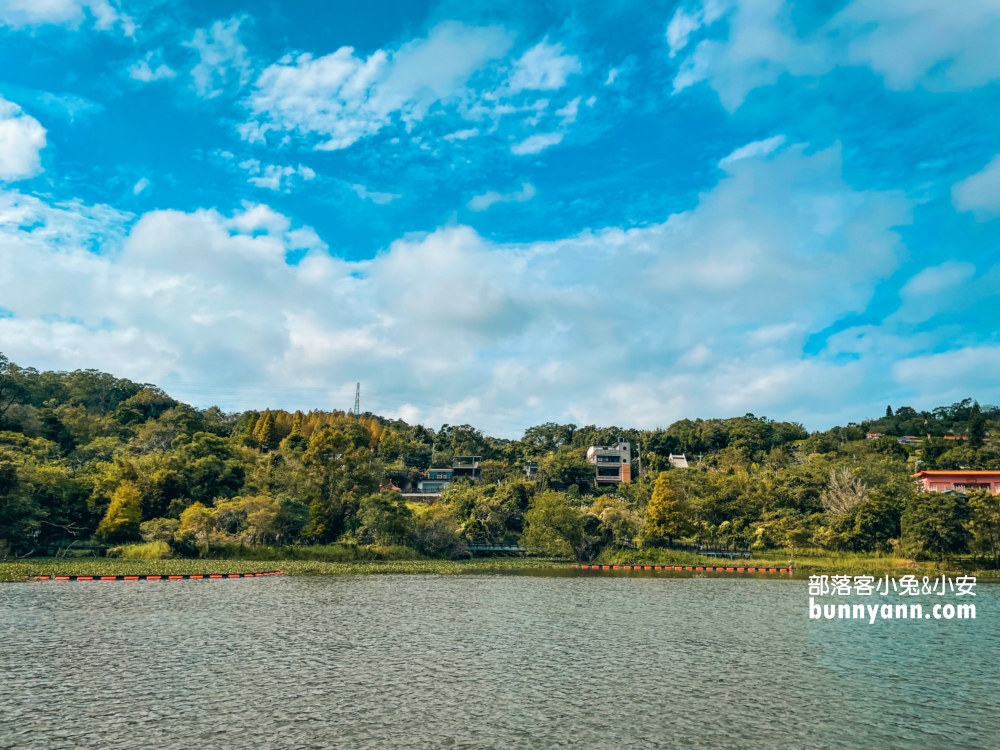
x=938, y=472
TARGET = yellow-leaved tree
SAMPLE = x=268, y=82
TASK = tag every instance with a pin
x=667, y=514
x=124, y=514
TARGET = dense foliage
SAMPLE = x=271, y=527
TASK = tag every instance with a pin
x=87, y=457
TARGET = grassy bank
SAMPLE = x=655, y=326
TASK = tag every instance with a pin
x=805, y=565
x=23, y=570
x=810, y=563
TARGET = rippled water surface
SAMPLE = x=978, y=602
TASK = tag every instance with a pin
x=482, y=661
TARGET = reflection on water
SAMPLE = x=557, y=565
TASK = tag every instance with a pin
x=482, y=661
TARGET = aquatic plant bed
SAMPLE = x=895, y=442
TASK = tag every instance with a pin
x=190, y=577
x=31, y=569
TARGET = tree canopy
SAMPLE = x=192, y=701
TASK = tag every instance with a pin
x=88, y=456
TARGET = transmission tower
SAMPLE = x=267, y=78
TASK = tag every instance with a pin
x=357, y=400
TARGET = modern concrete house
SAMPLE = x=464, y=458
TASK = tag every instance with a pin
x=959, y=481
x=530, y=469
x=434, y=481
x=613, y=462
x=467, y=466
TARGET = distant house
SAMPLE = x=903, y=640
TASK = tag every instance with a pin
x=958, y=481
x=613, y=462
x=678, y=462
x=530, y=469
x=909, y=440
x=430, y=485
x=873, y=435
x=467, y=466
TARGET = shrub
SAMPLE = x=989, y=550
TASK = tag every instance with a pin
x=149, y=551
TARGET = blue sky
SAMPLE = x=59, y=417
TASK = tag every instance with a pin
x=508, y=213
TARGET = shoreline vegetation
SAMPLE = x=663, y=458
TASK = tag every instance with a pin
x=304, y=564
x=91, y=464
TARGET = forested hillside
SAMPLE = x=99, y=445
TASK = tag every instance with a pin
x=85, y=456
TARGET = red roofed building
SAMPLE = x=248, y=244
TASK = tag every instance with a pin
x=959, y=481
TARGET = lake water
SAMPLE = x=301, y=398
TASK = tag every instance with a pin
x=483, y=662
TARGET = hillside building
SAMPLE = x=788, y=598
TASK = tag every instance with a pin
x=613, y=462
x=958, y=481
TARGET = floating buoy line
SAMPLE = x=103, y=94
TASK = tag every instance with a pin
x=691, y=568
x=187, y=577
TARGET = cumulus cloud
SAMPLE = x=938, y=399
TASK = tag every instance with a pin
x=544, y=67
x=274, y=176
x=484, y=201
x=150, y=68
x=457, y=71
x=222, y=58
x=462, y=135
x=939, y=46
x=341, y=97
x=72, y=13
x=536, y=143
x=704, y=312
x=22, y=137
x=980, y=192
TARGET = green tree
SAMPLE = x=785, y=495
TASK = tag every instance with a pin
x=667, y=514
x=553, y=526
x=977, y=427
x=13, y=388
x=876, y=522
x=121, y=522
x=567, y=466
x=985, y=523
x=19, y=515
x=436, y=533
x=385, y=519
x=197, y=525
x=934, y=523
x=265, y=433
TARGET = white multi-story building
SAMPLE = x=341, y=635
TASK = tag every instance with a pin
x=613, y=462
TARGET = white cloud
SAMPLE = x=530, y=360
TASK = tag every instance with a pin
x=940, y=46
x=685, y=22
x=222, y=58
x=72, y=13
x=950, y=376
x=462, y=135
x=484, y=201
x=951, y=288
x=705, y=312
x=544, y=67
x=938, y=278
x=150, y=68
x=536, y=143
x=141, y=185
x=755, y=148
x=568, y=113
x=375, y=197
x=979, y=192
x=22, y=137
x=274, y=176
x=612, y=76
x=342, y=98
